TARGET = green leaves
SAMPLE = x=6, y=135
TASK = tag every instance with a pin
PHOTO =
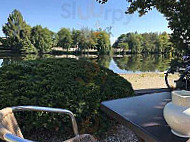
x=17, y=31
x=22, y=38
x=144, y=43
x=77, y=85
x=103, y=42
x=65, y=39
x=42, y=39
x=175, y=11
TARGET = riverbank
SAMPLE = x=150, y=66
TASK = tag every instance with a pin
x=146, y=80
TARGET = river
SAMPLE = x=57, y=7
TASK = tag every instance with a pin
x=122, y=64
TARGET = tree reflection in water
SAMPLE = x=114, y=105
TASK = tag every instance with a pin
x=143, y=63
x=134, y=63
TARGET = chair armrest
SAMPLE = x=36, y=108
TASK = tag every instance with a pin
x=12, y=138
x=48, y=109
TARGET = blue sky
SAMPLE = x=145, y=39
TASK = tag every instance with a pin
x=56, y=14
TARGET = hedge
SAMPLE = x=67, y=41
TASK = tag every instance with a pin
x=77, y=85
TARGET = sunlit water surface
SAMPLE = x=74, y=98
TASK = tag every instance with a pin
x=122, y=64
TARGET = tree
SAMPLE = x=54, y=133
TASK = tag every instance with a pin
x=175, y=11
x=28, y=47
x=17, y=32
x=42, y=39
x=85, y=38
x=163, y=42
x=124, y=46
x=103, y=42
x=92, y=40
x=55, y=38
x=76, y=34
x=145, y=43
x=65, y=38
x=121, y=39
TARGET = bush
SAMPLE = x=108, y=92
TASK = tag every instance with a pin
x=79, y=86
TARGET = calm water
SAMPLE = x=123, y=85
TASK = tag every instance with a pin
x=119, y=64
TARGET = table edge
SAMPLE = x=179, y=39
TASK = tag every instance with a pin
x=135, y=128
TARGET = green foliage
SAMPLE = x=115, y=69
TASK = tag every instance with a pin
x=165, y=46
x=76, y=37
x=144, y=43
x=88, y=39
x=42, y=39
x=77, y=85
x=103, y=42
x=84, y=39
x=65, y=38
x=175, y=11
x=55, y=38
x=28, y=47
x=124, y=46
x=16, y=31
x=21, y=36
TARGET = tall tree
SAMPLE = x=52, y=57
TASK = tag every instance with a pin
x=76, y=34
x=85, y=39
x=165, y=46
x=42, y=39
x=65, y=38
x=93, y=40
x=103, y=42
x=55, y=38
x=16, y=31
x=88, y=39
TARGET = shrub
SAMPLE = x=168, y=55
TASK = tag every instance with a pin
x=77, y=85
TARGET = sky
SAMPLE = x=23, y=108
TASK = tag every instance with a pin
x=55, y=14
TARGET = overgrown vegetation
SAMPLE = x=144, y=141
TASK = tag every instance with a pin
x=145, y=43
x=77, y=85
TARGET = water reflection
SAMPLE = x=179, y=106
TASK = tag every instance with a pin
x=119, y=64
x=140, y=63
x=113, y=66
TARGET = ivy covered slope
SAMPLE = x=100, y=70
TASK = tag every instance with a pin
x=77, y=85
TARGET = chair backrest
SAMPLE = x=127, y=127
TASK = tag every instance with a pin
x=8, y=123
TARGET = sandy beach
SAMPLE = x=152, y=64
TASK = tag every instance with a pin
x=146, y=80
